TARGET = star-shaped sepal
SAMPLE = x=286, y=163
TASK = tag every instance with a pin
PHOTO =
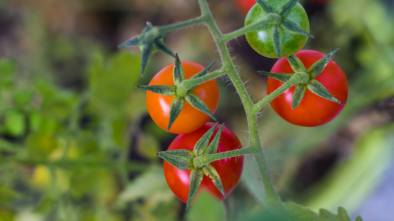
x=180, y=96
x=313, y=85
x=150, y=41
x=281, y=21
x=184, y=160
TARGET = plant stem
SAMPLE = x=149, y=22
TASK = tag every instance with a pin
x=295, y=79
x=169, y=28
x=208, y=158
x=267, y=20
x=186, y=85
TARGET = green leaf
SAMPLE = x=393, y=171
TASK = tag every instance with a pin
x=276, y=38
x=202, y=143
x=159, y=44
x=178, y=74
x=199, y=104
x=264, y=4
x=176, y=108
x=14, y=123
x=196, y=176
x=299, y=213
x=317, y=88
x=298, y=95
x=147, y=146
x=150, y=186
x=296, y=64
x=291, y=26
x=286, y=9
x=181, y=159
x=165, y=90
x=279, y=77
x=205, y=208
x=319, y=66
x=146, y=53
x=7, y=70
x=211, y=172
x=136, y=41
x=213, y=146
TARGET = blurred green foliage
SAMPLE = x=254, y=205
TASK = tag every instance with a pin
x=76, y=142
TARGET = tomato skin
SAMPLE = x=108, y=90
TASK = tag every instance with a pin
x=229, y=169
x=262, y=41
x=313, y=110
x=190, y=119
x=245, y=5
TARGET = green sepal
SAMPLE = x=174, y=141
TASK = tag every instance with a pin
x=149, y=41
x=298, y=94
x=146, y=53
x=264, y=4
x=199, y=104
x=160, y=46
x=176, y=108
x=318, y=67
x=286, y=9
x=276, y=38
x=165, y=90
x=136, y=41
x=213, y=146
x=291, y=26
x=201, y=74
x=196, y=176
x=213, y=174
x=178, y=73
x=202, y=143
x=296, y=64
x=181, y=159
x=317, y=88
x=279, y=77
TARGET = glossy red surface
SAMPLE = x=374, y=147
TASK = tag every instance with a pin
x=313, y=110
x=229, y=169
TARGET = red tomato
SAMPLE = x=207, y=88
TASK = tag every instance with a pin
x=313, y=110
x=245, y=5
x=190, y=119
x=229, y=169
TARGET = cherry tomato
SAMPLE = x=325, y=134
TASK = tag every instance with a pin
x=190, y=119
x=244, y=5
x=262, y=40
x=229, y=169
x=313, y=110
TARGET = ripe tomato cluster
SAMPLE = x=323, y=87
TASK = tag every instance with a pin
x=315, y=93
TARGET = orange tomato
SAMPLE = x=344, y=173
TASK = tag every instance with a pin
x=190, y=119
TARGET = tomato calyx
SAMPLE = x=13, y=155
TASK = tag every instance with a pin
x=279, y=21
x=179, y=93
x=309, y=82
x=150, y=41
x=185, y=160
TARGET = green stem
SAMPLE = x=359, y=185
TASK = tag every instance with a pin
x=267, y=20
x=203, y=160
x=295, y=79
x=186, y=85
x=169, y=28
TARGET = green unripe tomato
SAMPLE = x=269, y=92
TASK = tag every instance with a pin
x=262, y=41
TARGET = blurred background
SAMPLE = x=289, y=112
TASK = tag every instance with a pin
x=76, y=142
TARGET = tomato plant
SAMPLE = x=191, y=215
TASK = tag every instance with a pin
x=229, y=169
x=283, y=38
x=190, y=118
x=244, y=5
x=313, y=109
